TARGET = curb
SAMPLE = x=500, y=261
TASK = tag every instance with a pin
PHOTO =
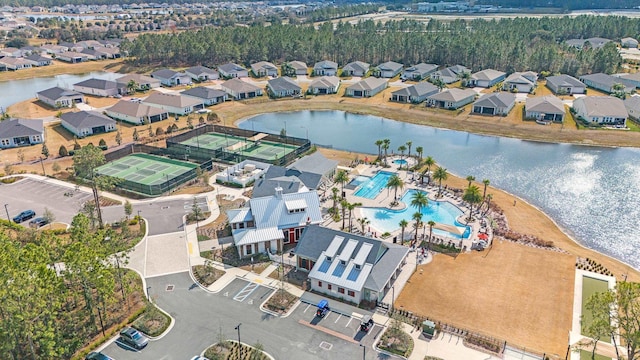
x=289, y=312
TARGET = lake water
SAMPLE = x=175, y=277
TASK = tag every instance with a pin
x=14, y=91
x=591, y=192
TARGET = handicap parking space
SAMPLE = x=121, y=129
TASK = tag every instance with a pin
x=246, y=292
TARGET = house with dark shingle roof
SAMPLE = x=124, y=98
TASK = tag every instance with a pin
x=603, y=110
x=240, y=90
x=606, y=83
x=136, y=113
x=264, y=68
x=231, y=70
x=38, y=60
x=387, y=69
x=99, y=87
x=356, y=68
x=87, y=123
x=449, y=75
x=486, y=78
x=544, y=108
x=170, y=78
x=208, y=95
x=174, y=104
x=325, y=68
x=59, y=97
x=290, y=180
x=565, y=85
x=367, y=87
x=202, y=73
x=21, y=132
x=349, y=266
x=451, y=98
x=415, y=93
x=498, y=103
x=419, y=72
x=324, y=85
x=283, y=86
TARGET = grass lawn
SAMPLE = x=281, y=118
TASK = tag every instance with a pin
x=586, y=355
x=591, y=286
x=511, y=291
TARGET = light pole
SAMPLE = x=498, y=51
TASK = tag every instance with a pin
x=239, y=343
x=364, y=351
x=7, y=210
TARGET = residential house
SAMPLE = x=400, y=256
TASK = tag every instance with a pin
x=264, y=68
x=498, y=103
x=325, y=68
x=594, y=42
x=367, y=87
x=315, y=163
x=207, y=95
x=565, y=85
x=289, y=180
x=629, y=42
x=231, y=70
x=348, y=266
x=632, y=104
x=108, y=52
x=72, y=57
x=415, y=93
x=202, y=73
x=631, y=78
x=10, y=63
x=99, y=87
x=59, y=97
x=388, y=69
x=522, y=82
x=451, y=98
x=356, y=68
x=607, y=83
x=87, y=123
x=450, y=75
x=53, y=49
x=283, y=86
x=171, y=78
x=95, y=54
x=240, y=90
x=136, y=113
x=174, y=104
x=21, y=132
x=269, y=223
x=11, y=52
x=88, y=44
x=294, y=68
x=486, y=78
x=38, y=60
x=324, y=85
x=544, y=109
x=603, y=110
x=142, y=82
x=419, y=72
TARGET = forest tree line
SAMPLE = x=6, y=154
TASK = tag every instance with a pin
x=508, y=45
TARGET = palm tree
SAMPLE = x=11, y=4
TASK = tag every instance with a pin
x=351, y=207
x=379, y=145
x=464, y=77
x=440, y=174
x=470, y=178
x=394, y=183
x=417, y=217
x=363, y=222
x=488, y=201
x=132, y=85
x=440, y=84
x=419, y=199
x=472, y=196
x=403, y=225
x=431, y=224
x=429, y=162
x=401, y=150
x=335, y=197
x=419, y=150
x=409, y=143
x=486, y=183
x=385, y=145
x=341, y=178
x=343, y=204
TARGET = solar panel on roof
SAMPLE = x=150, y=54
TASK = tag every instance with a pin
x=353, y=274
x=339, y=270
x=324, y=266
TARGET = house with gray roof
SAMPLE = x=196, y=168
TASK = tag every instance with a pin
x=356, y=68
x=544, y=109
x=415, y=93
x=349, y=266
x=136, y=113
x=594, y=42
x=324, y=85
x=13, y=64
x=315, y=163
x=143, y=82
x=449, y=75
x=240, y=90
x=208, y=95
x=283, y=86
x=21, y=132
x=451, y=98
x=294, y=68
x=419, y=72
x=87, y=123
x=388, y=69
x=58, y=97
x=629, y=42
x=606, y=83
x=632, y=104
x=497, y=103
x=268, y=224
x=171, y=78
x=631, y=78
x=486, y=78
x=38, y=60
x=522, y=82
x=99, y=87
x=565, y=85
x=174, y=104
x=202, y=73
x=367, y=87
x=290, y=180
x=264, y=68
x=602, y=110
x=325, y=68
x=72, y=57
x=231, y=70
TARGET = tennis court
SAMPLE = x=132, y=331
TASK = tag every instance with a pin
x=253, y=147
x=148, y=174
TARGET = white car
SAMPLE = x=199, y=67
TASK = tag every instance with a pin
x=199, y=358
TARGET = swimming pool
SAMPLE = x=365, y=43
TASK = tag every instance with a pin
x=442, y=212
x=358, y=180
x=400, y=161
x=372, y=187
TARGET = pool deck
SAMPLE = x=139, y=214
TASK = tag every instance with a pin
x=385, y=197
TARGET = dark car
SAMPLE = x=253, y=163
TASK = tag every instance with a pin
x=366, y=323
x=25, y=215
x=133, y=338
x=37, y=222
x=97, y=356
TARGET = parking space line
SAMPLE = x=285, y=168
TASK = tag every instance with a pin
x=339, y=316
x=307, y=308
x=246, y=291
x=349, y=322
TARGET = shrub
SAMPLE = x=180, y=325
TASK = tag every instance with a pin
x=63, y=151
x=102, y=142
x=76, y=146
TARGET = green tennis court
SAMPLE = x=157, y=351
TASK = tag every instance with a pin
x=146, y=169
x=261, y=149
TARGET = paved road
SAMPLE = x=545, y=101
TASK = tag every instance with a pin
x=200, y=316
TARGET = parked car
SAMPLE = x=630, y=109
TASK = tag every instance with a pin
x=37, y=222
x=25, y=215
x=366, y=323
x=97, y=356
x=133, y=338
x=323, y=308
x=199, y=358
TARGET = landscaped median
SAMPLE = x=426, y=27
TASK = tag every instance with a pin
x=280, y=303
x=395, y=340
x=229, y=350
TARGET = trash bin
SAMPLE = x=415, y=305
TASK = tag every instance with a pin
x=428, y=328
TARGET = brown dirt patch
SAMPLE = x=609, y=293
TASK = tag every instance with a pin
x=513, y=292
